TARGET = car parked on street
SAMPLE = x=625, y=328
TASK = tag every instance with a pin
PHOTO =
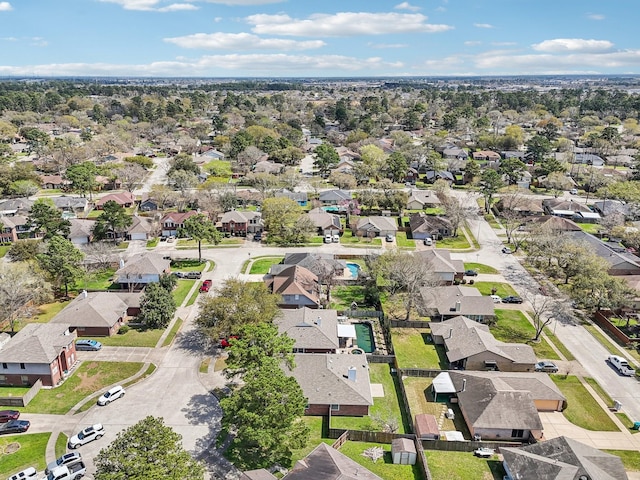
x=206, y=286
x=66, y=459
x=15, y=426
x=471, y=273
x=89, y=434
x=26, y=474
x=506, y=250
x=88, y=345
x=8, y=415
x=110, y=395
x=621, y=364
x=193, y=275
x=548, y=367
x=512, y=299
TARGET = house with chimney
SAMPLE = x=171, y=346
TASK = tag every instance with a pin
x=297, y=286
x=312, y=330
x=141, y=269
x=443, y=303
x=236, y=222
x=172, y=222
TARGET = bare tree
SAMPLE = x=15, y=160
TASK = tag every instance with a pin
x=99, y=255
x=131, y=175
x=511, y=207
x=545, y=309
x=456, y=210
x=21, y=291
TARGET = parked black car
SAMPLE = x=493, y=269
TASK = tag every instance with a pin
x=512, y=299
x=15, y=426
x=471, y=273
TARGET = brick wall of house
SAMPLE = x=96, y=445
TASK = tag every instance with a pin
x=345, y=410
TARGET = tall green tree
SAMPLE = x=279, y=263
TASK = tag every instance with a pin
x=512, y=168
x=157, y=306
x=82, y=177
x=283, y=219
x=148, y=449
x=326, y=157
x=397, y=167
x=114, y=218
x=61, y=261
x=237, y=304
x=265, y=414
x=490, y=183
x=45, y=218
x=199, y=228
x=539, y=147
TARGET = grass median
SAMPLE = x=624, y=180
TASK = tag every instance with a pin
x=18, y=452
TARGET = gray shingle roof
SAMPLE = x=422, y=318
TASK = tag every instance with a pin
x=37, y=343
x=326, y=463
x=310, y=328
x=441, y=261
x=97, y=309
x=145, y=263
x=443, y=300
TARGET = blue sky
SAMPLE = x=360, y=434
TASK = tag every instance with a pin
x=311, y=38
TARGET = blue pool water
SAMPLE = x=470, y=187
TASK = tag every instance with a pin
x=331, y=209
x=354, y=268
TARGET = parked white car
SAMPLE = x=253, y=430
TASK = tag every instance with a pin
x=89, y=434
x=27, y=474
x=66, y=459
x=110, y=395
x=621, y=365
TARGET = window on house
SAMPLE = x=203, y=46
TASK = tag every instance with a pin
x=335, y=407
x=4, y=365
x=3, y=379
x=22, y=367
x=25, y=380
x=517, y=433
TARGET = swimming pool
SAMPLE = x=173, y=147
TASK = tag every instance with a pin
x=364, y=337
x=354, y=268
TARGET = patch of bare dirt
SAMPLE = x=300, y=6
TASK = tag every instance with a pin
x=13, y=447
x=87, y=382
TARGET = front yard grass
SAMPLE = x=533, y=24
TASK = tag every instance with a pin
x=630, y=459
x=582, y=409
x=3, y=250
x=188, y=265
x=592, y=228
x=414, y=351
x=480, y=268
x=386, y=408
x=262, y=265
x=349, y=238
x=31, y=452
x=403, y=242
x=384, y=467
x=454, y=243
x=135, y=337
x=463, y=466
x=502, y=289
x=512, y=326
x=153, y=243
x=89, y=378
x=182, y=289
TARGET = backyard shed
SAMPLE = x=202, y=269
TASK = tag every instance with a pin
x=403, y=451
x=426, y=427
x=443, y=388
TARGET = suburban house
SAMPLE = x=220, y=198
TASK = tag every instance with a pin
x=50, y=182
x=240, y=223
x=334, y=197
x=620, y=261
x=345, y=165
x=300, y=198
x=14, y=228
x=486, y=156
x=334, y=383
x=560, y=458
x=124, y=199
x=524, y=206
x=611, y=207
x=265, y=166
x=455, y=153
x=173, y=221
x=440, y=261
x=429, y=226
x=71, y=205
x=298, y=287
x=589, y=159
x=376, y=226
x=148, y=204
x=320, y=264
x=505, y=406
x=141, y=228
x=323, y=463
x=421, y=199
x=442, y=303
x=553, y=224
x=15, y=206
x=345, y=154
x=99, y=314
x=39, y=351
x=469, y=345
x=563, y=208
x=431, y=176
x=313, y=330
x=141, y=269
x=81, y=231
x=326, y=223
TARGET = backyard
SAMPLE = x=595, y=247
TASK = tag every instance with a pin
x=463, y=466
x=414, y=349
x=384, y=467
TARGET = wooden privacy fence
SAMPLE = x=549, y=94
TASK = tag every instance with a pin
x=418, y=372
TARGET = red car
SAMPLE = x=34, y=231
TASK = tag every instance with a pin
x=225, y=342
x=8, y=415
x=206, y=285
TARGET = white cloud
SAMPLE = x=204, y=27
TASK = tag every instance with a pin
x=595, y=16
x=344, y=24
x=483, y=25
x=9, y=39
x=472, y=43
x=242, y=3
x=38, y=42
x=387, y=45
x=262, y=65
x=241, y=41
x=407, y=6
x=176, y=7
x=151, y=5
x=560, y=45
x=503, y=44
x=5, y=7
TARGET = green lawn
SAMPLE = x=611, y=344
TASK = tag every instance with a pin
x=194, y=296
x=135, y=337
x=101, y=280
x=153, y=242
x=349, y=238
x=343, y=295
x=421, y=401
x=31, y=453
x=454, y=243
x=384, y=467
x=262, y=265
x=502, y=289
x=385, y=408
x=480, y=268
x=403, y=242
x=188, y=265
x=413, y=351
x=181, y=290
x=315, y=437
x=219, y=168
x=89, y=378
x=13, y=391
x=3, y=250
x=172, y=333
x=513, y=327
x=43, y=314
x=630, y=459
x=61, y=444
x=463, y=466
x=582, y=409
x=592, y=228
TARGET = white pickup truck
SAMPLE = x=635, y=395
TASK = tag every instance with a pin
x=621, y=365
x=72, y=471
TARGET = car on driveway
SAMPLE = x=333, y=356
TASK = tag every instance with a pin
x=193, y=275
x=548, y=367
x=471, y=273
x=66, y=459
x=110, y=395
x=506, y=250
x=496, y=298
x=88, y=345
x=26, y=474
x=512, y=299
x=15, y=426
x=89, y=434
x=388, y=237
x=8, y=415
